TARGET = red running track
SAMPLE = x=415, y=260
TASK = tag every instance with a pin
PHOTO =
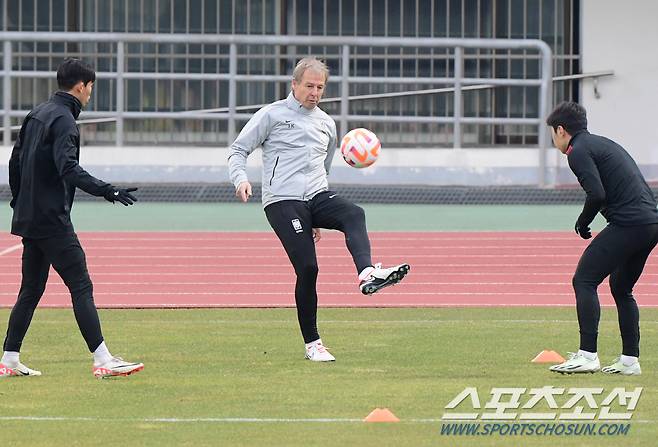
x=251, y=270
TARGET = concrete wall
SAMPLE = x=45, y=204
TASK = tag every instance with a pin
x=623, y=36
x=395, y=166
x=615, y=36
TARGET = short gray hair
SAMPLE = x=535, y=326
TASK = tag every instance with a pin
x=310, y=63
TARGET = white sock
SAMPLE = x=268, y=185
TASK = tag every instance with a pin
x=365, y=273
x=628, y=360
x=102, y=354
x=10, y=358
x=316, y=342
x=588, y=355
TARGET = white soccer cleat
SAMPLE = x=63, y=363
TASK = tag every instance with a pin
x=618, y=367
x=116, y=367
x=379, y=277
x=19, y=370
x=577, y=364
x=316, y=352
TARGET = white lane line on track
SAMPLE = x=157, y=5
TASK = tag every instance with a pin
x=356, y=294
x=92, y=248
x=334, y=238
x=320, y=283
x=285, y=265
x=415, y=257
x=291, y=273
x=11, y=249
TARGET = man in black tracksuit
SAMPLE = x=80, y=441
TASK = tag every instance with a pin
x=43, y=175
x=616, y=188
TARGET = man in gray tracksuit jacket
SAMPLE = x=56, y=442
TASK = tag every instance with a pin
x=298, y=140
x=298, y=146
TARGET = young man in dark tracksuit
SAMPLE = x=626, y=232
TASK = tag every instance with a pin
x=615, y=188
x=298, y=141
x=43, y=175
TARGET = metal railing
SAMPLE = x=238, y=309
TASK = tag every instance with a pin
x=345, y=45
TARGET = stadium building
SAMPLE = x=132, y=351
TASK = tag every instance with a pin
x=160, y=91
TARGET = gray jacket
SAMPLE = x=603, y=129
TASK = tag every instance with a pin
x=298, y=146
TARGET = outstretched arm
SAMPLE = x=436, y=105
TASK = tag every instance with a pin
x=65, y=156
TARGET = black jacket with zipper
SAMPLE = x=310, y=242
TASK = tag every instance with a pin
x=44, y=170
x=612, y=181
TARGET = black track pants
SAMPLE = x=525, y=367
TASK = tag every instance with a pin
x=293, y=221
x=621, y=253
x=65, y=254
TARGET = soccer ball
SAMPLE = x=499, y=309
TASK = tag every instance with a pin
x=360, y=148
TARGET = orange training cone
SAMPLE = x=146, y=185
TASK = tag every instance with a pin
x=381, y=415
x=547, y=356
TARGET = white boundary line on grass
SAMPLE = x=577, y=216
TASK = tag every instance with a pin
x=293, y=321
x=291, y=305
x=257, y=420
x=169, y=420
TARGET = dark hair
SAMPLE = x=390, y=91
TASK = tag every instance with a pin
x=72, y=71
x=570, y=115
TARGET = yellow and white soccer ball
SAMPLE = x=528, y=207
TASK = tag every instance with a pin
x=360, y=148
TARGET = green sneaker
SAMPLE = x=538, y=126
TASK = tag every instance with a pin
x=619, y=368
x=577, y=364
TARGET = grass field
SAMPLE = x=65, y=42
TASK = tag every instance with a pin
x=237, y=376
x=101, y=216
x=206, y=369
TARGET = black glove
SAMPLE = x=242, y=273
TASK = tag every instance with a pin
x=121, y=195
x=583, y=230
x=13, y=202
